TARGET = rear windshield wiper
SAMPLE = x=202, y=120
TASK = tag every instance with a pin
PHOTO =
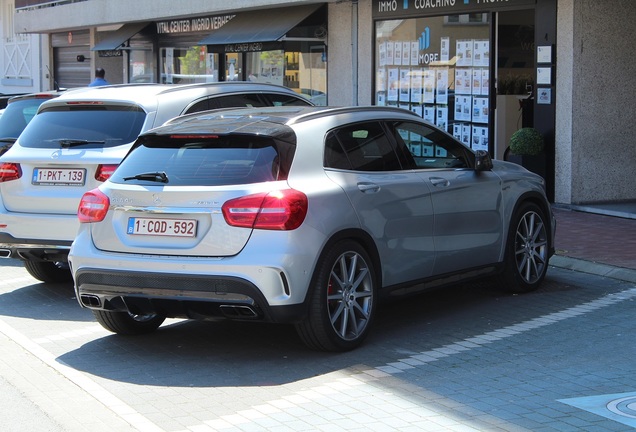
x=8, y=139
x=65, y=142
x=151, y=176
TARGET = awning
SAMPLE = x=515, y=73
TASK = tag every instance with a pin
x=267, y=25
x=119, y=37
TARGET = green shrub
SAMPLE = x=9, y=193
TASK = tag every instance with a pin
x=526, y=141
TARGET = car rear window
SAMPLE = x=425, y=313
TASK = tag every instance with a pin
x=84, y=125
x=206, y=161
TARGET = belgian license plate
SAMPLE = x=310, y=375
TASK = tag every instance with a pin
x=162, y=227
x=59, y=176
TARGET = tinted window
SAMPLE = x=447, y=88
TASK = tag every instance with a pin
x=361, y=147
x=237, y=100
x=429, y=147
x=100, y=125
x=17, y=115
x=287, y=100
x=204, y=162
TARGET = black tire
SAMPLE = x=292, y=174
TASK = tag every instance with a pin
x=125, y=323
x=527, y=250
x=343, y=300
x=47, y=271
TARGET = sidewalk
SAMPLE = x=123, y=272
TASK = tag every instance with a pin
x=591, y=242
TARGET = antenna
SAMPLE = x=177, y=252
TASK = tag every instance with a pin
x=55, y=84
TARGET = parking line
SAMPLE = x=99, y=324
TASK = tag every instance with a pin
x=496, y=335
x=96, y=391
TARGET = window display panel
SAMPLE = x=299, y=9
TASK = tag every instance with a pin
x=439, y=68
x=188, y=65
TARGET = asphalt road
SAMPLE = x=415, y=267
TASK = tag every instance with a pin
x=466, y=358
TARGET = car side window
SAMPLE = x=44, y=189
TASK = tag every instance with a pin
x=246, y=100
x=276, y=99
x=431, y=148
x=361, y=147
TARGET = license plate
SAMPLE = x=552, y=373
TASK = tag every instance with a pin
x=59, y=176
x=162, y=227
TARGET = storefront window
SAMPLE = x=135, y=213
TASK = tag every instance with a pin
x=141, y=61
x=439, y=68
x=188, y=65
x=306, y=70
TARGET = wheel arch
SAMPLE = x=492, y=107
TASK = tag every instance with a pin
x=539, y=200
x=358, y=235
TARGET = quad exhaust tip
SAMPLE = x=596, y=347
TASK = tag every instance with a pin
x=5, y=253
x=90, y=300
x=239, y=311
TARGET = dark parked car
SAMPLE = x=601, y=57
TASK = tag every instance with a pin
x=17, y=114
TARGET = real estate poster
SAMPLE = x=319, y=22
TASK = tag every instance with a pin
x=477, y=77
x=463, y=108
x=405, y=85
x=444, y=54
x=389, y=53
x=466, y=134
x=429, y=113
x=429, y=86
x=441, y=118
x=441, y=77
x=480, y=109
x=382, y=53
x=414, y=53
x=417, y=109
x=463, y=81
x=380, y=80
x=481, y=51
x=464, y=52
x=406, y=53
x=416, y=86
x=393, y=83
x=397, y=53
x=485, y=81
x=479, y=138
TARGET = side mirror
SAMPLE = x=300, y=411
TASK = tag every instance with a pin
x=483, y=161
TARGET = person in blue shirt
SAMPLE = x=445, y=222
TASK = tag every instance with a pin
x=99, y=78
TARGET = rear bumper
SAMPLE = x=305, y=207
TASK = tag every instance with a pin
x=33, y=249
x=179, y=296
x=36, y=236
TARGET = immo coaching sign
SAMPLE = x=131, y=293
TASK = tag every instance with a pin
x=401, y=8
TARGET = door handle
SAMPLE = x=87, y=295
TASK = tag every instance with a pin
x=440, y=182
x=368, y=187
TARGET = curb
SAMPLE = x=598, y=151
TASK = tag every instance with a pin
x=590, y=267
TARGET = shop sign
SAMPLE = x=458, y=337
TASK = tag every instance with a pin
x=193, y=25
x=246, y=47
x=402, y=8
x=110, y=53
x=243, y=47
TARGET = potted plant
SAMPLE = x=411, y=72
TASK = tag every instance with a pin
x=526, y=149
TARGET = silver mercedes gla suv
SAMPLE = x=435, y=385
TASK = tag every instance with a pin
x=298, y=215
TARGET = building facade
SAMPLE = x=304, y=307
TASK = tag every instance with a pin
x=481, y=69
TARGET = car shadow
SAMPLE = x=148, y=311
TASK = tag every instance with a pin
x=231, y=353
x=44, y=301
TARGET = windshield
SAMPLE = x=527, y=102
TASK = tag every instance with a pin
x=87, y=125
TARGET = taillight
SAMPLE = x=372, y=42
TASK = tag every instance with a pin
x=10, y=171
x=104, y=172
x=93, y=207
x=278, y=210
